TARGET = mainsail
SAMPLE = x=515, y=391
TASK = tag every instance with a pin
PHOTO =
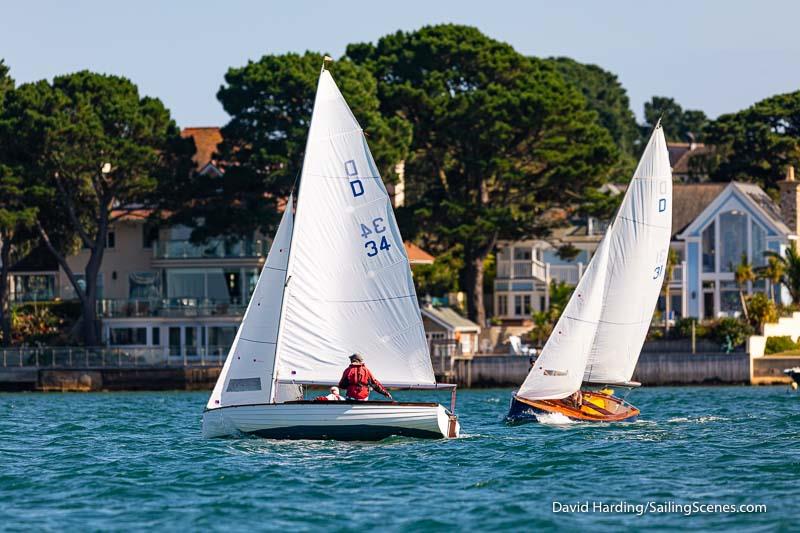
x=349, y=286
x=247, y=374
x=602, y=329
x=558, y=371
x=638, y=247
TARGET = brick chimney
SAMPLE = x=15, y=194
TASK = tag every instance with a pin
x=790, y=200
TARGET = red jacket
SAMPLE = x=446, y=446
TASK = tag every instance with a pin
x=357, y=379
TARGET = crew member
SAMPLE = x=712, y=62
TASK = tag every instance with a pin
x=334, y=396
x=357, y=380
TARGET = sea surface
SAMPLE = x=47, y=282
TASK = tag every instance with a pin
x=136, y=461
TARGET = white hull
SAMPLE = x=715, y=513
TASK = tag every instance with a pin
x=331, y=420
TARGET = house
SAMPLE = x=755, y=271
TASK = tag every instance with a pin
x=713, y=225
x=446, y=328
x=156, y=289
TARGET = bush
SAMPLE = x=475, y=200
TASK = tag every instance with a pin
x=780, y=344
x=761, y=310
x=732, y=329
x=683, y=329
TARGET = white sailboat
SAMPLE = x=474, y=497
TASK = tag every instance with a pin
x=599, y=336
x=336, y=281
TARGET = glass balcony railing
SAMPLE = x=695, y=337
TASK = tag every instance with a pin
x=168, y=307
x=215, y=248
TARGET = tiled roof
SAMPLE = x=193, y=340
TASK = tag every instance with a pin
x=206, y=141
x=416, y=255
x=689, y=200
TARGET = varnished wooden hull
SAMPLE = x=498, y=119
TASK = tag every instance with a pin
x=596, y=407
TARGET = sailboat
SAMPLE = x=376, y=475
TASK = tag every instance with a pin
x=596, y=342
x=336, y=281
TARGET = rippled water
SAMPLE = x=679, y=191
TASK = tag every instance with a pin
x=136, y=461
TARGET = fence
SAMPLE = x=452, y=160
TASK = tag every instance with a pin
x=106, y=357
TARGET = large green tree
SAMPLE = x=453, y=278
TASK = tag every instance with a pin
x=270, y=103
x=16, y=218
x=756, y=144
x=95, y=150
x=678, y=123
x=497, y=139
x=604, y=94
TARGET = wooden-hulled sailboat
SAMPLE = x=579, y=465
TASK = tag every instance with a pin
x=336, y=281
x=597, y=340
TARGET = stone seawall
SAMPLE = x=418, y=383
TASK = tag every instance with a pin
x=108, y=379
x=653, y=369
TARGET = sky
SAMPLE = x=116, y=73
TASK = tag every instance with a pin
x=717, y=56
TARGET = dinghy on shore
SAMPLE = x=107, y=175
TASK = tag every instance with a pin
x=597, y=340
x=336, y=281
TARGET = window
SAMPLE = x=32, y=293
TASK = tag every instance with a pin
x=144, y=285
x=127, y=336
x=729, y=300
x=733, y=239
x=758, y=245
x=81, y=279
x=221, y=337
x=175, y=340
x=216, y=284
x=502, y=304
x=522, y=304
x=33, y=287
x=522, y=254
x=149, y=235
x=709, y=248
x=111, y=239
x=156, y=337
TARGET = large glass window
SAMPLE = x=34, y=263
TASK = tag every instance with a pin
x=502, y=305
x=709, y=248
x=216, y=284
x=522, y=254
x=127, y=336
x=144, y=285
x=733, y=239
x=729, y=300
x=33, y=287
x=758, y=245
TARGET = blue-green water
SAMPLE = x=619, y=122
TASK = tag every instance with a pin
x=137, y=461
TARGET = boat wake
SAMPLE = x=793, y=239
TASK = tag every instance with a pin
x=554, y=419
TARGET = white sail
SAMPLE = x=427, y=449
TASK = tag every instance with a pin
x=638, y=244
x=349, y=286
x=247, y=375
x=558, y=371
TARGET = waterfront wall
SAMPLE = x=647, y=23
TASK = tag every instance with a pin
x=108, y=379
x=665, y=368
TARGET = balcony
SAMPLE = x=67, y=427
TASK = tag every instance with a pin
x=540, y=271
x=168, y=308
x=213, y=249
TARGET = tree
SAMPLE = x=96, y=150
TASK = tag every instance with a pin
x=16, y=219
x=605, y=95
x=95, y=150
x=270, y=103
x=678, y=124
x=772, y=272
x=790, y=263
x=756, y=144
x=762, y=310
x=497, y=139
x=743, y=275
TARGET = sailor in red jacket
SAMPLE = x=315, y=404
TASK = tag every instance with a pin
x=357, y=380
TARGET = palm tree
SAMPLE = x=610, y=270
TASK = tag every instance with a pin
x=791, y=271
x=672, y=260
x=772, y=272
x=744, y=274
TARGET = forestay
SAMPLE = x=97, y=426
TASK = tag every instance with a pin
x=246, y=377
x=638, y=244
x=349, y=286
x=558, y=371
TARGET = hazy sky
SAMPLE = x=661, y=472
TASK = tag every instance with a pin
x=716, y=56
